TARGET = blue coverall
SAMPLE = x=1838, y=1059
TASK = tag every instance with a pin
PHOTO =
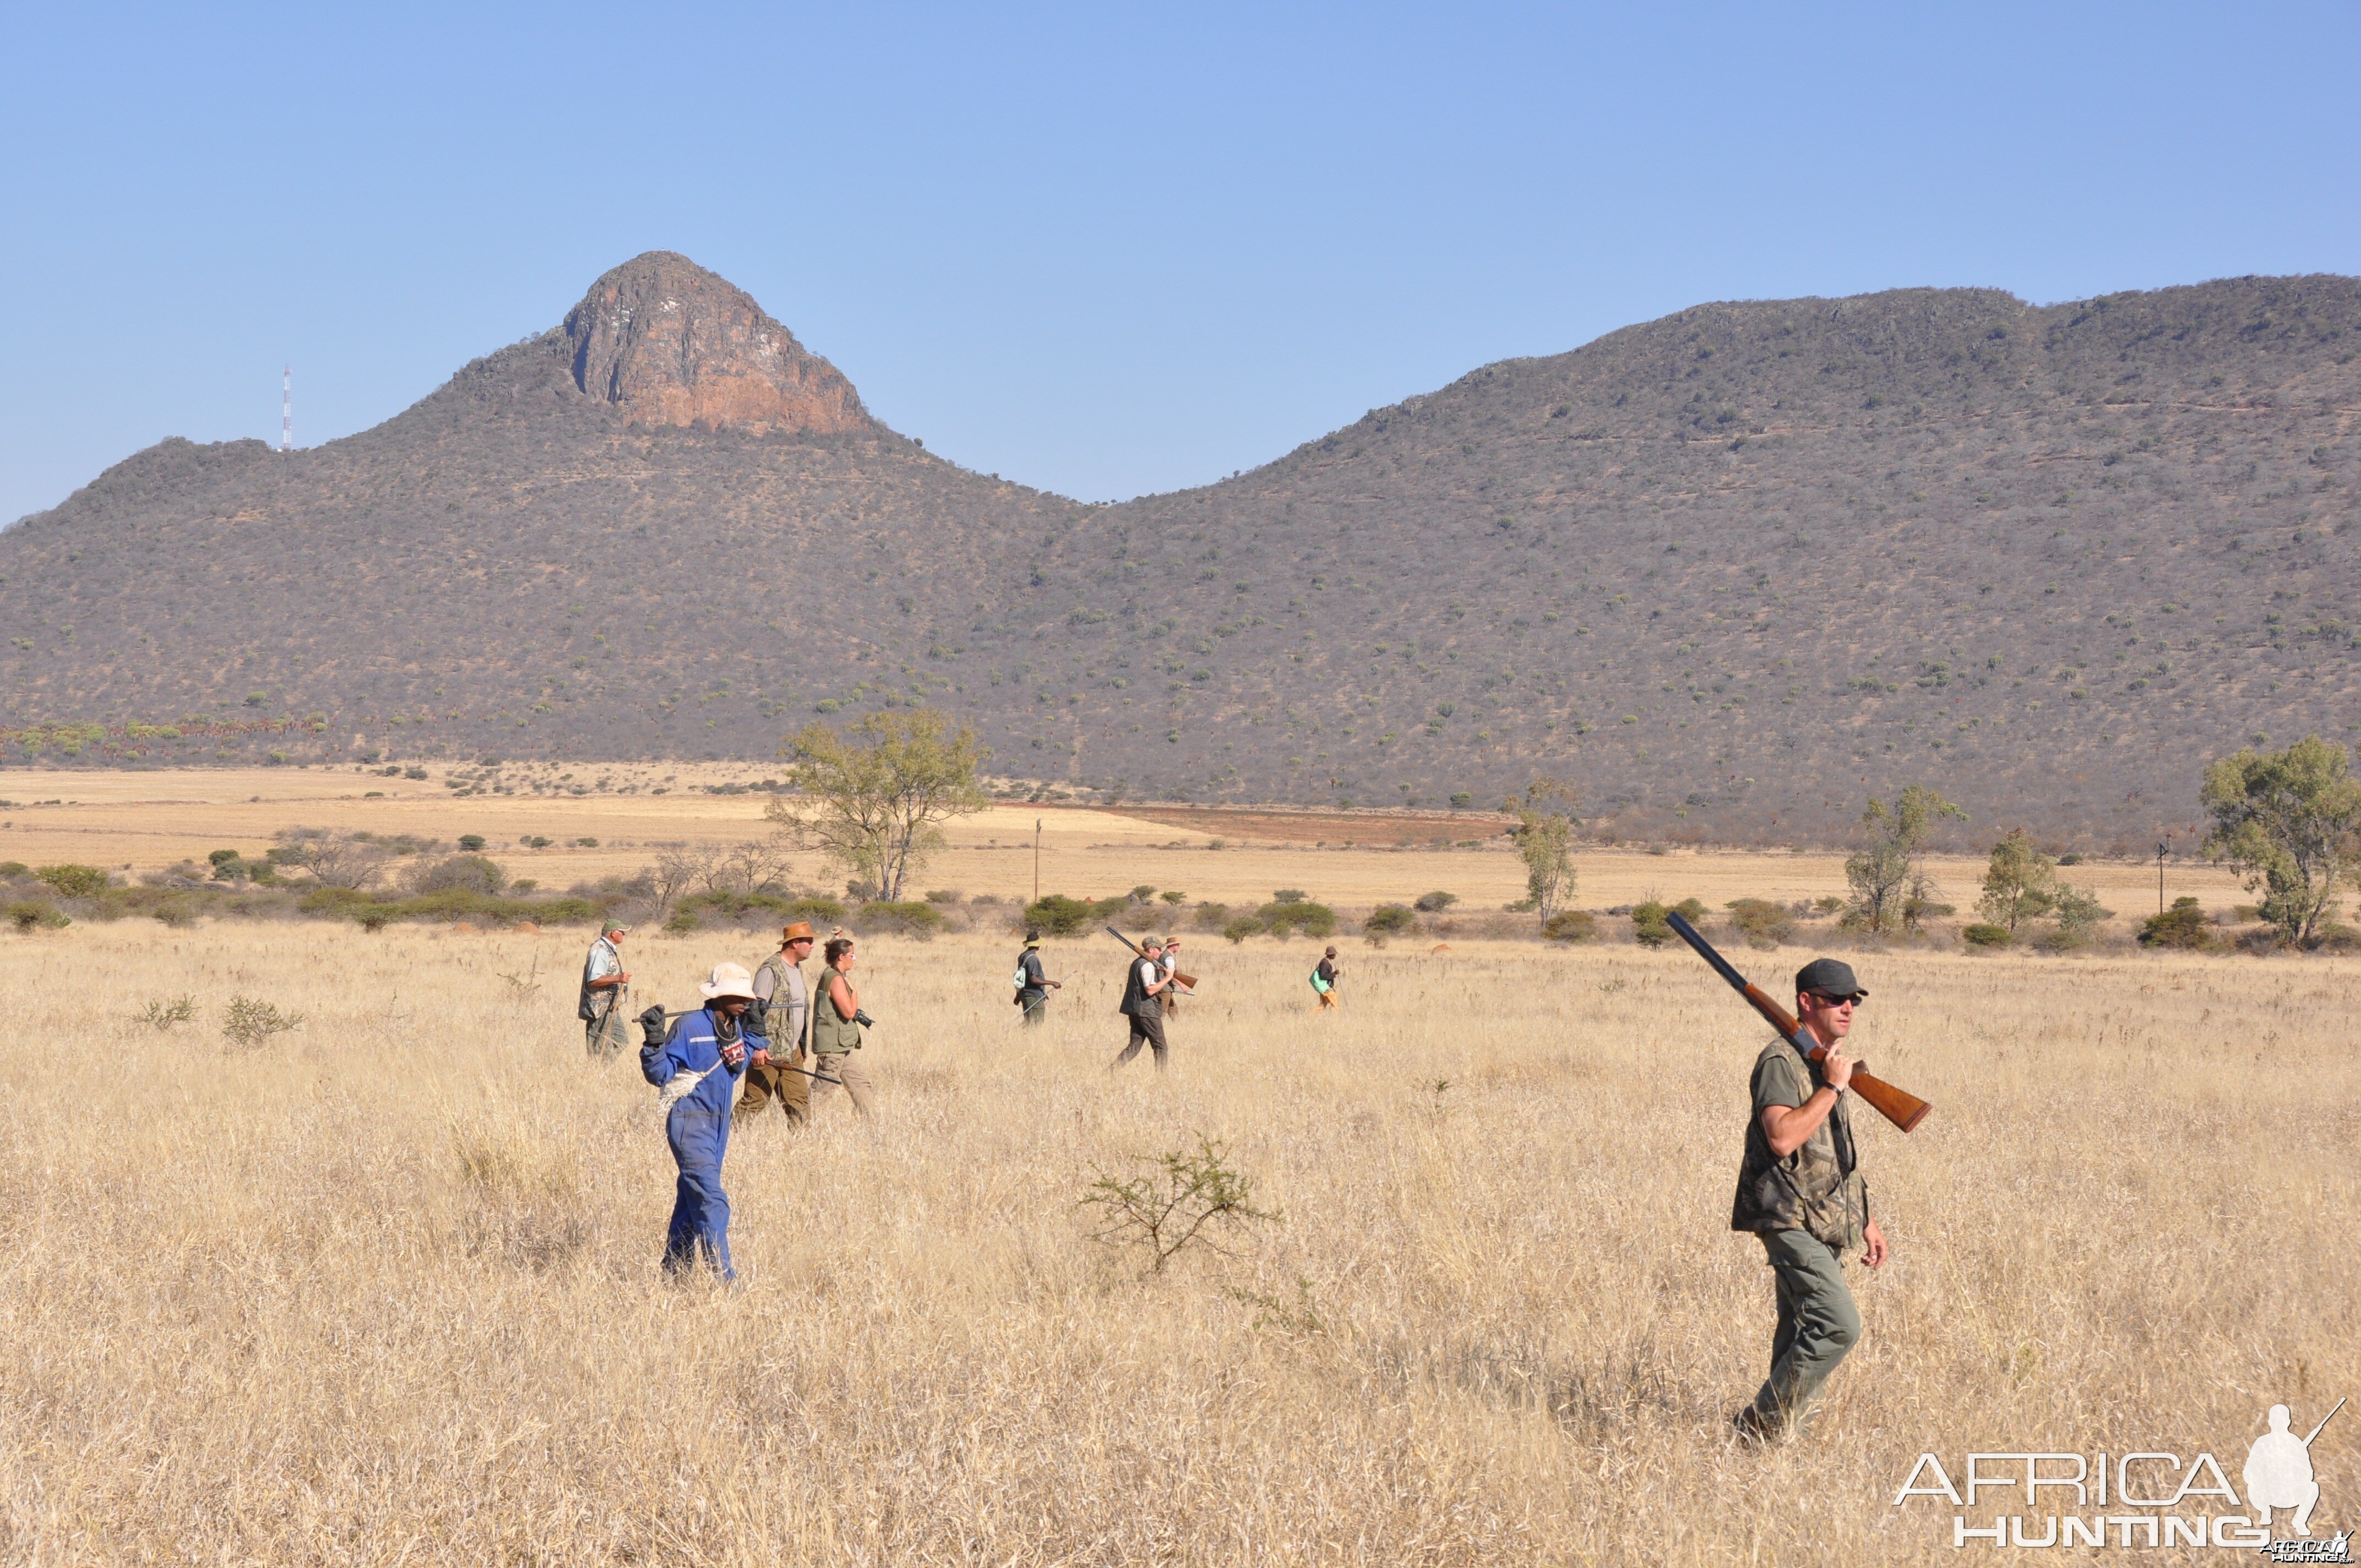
x=698, y=1128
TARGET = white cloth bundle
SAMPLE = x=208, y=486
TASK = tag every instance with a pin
x=676, y=1087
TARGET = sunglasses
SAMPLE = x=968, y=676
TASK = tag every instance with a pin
x=1825, y=1000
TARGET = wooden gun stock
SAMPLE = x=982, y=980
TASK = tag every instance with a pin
x=1899, y=1106
x=1185, y=982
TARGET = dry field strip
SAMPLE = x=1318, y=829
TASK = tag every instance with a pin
x=385, y=1291
x=137, y=822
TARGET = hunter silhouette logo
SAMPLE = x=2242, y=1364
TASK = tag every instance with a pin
x=2279, y=1476
x=2144, y=1497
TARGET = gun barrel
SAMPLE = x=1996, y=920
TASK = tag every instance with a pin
x=1897, y=1105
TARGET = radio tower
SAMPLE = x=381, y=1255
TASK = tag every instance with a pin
x=287, y=409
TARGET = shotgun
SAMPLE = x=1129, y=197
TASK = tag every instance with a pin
x=1185, y=982
x=1899, y=1106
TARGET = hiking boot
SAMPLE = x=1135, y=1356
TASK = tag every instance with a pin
x=1749, y=1426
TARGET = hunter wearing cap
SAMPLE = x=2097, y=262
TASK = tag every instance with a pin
x=783, y=1002
x=1033, y=983
x=1144, y=982
x=697, y=1069
x=1799, y=1188
x=605, y=988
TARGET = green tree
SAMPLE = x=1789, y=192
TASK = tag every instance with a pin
x=2020, y=882
x=1886, y=882
x=883, y=788
x=2289, y=823
x=1544, y=839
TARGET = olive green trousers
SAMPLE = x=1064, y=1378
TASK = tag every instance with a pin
x=1818, y=1323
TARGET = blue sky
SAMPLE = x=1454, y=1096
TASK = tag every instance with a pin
x=1105, y=250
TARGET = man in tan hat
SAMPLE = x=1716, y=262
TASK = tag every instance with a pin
x=783, y=1003
x=605, y=988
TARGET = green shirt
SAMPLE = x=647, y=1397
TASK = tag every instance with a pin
x=1818, y=1188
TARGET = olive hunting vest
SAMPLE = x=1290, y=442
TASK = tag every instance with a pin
x=1819, y=1188
x=787, y=1018
x=831, y=1032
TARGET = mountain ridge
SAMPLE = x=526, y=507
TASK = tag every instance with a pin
x=1728, y=570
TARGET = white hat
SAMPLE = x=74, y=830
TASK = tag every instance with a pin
x=729, y=979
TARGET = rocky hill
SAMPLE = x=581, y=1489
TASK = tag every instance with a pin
x=1728, y=571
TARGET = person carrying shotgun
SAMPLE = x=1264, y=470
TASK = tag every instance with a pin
x=605, y=985
x=1800, y=1189
x=1145, y=979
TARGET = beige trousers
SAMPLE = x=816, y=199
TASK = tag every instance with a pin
x=846, y=1068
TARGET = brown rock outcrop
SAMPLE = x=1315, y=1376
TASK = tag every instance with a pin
x=669, y=343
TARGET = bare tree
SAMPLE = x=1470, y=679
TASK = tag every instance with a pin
x=335, y=860
x=678, y=868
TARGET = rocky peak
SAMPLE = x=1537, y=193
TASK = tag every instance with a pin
x=669, y=343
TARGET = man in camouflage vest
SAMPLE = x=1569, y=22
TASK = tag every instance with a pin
x=1799, y=1188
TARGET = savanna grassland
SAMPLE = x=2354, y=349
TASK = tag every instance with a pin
x=384, y=1287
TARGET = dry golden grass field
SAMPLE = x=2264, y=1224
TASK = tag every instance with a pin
x=138, y=822
x=385, y=1289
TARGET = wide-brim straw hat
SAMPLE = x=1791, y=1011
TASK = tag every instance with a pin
x=729, y=979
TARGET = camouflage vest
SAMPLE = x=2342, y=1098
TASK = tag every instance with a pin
x=1817, y=1189
x=789, y=1014
x=831, y=1032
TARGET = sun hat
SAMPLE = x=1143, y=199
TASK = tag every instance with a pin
x=729, y=979
x=613, y=929
x=800, y=931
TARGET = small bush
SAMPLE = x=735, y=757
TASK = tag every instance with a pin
x=1058, y=915
x=2062, y=939
x=2182, y=925
x=1211, y=916
x=161, y=1016
x=37, y=914
x=1177, y=1201
x=1289, y=895
x=470, y=873
x=817, y=907
x=1239, y=929
x=1986, y=935
x=1173, y=896
x=72, y=881
x=471, y=842
x=1571, y=925
x=1435, y=903
x=1389, y=920
x=944, y=895
x=913, y=918
x=1314, y=920
x=1649, y=928
x=1762, y=923
x=250, y=1024
x=14, y=869
x=682, y=923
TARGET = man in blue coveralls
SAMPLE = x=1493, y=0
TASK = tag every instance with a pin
x=697, y=1069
